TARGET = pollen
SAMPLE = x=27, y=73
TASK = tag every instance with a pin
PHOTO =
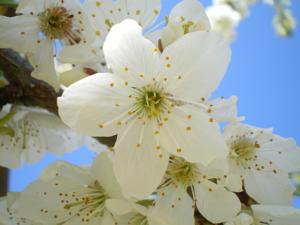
x=168, y=65
x=98, y=4
x=188, y=128
x=98, y=33
x=101, y=125
x=126, y=69
x=58, y=23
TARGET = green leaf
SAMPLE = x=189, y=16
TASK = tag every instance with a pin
x=8, y=131
x=6, y=118
x=9, y=3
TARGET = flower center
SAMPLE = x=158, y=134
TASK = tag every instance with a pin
x=243, y=150
x=150, y=101
x=88, y=204
x=138, y=219
x=181, y=172
x=57, y=23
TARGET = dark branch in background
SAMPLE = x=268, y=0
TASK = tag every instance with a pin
x=22, y=87
x=3, y=181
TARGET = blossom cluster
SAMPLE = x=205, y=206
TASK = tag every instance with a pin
x=180, y=158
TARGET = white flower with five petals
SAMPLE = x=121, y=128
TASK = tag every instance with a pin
x=151, y=103
x=264, y=160
x=188, y=185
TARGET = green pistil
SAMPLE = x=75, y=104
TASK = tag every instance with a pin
x=150, y=101
x=243, y=149
x=182, y=172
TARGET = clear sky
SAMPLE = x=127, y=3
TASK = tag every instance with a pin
x=264, y=74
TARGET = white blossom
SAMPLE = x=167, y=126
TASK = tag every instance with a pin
x=224, y=19
x=187, y=16
x=36, y=27
x=103, y=15
x=67, y=194
x=264, y=160
x=267, y=215
x=137, y=214
x=151, y=102
x=213, y=198
x=8, y=215
x=33, y=132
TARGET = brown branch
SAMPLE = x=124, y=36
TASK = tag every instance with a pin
x=22, y=87
x=3, y=181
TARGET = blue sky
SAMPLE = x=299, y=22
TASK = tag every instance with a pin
x=264, y=74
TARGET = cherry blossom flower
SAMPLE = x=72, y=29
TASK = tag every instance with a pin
x=67, y=194
x=33, y=132
x=264, y=160
x=213, y=199
x=150, y=101
x=39, y=24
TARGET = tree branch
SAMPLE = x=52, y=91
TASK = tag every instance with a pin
x=22, y=87
x=3, y=181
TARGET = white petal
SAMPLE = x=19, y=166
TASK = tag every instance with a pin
x=10, y=156
x=46, y=205
x=138, y=164
x=103, y=14
x=71, y=76
x=19, y=33
x=215, y=203
x=174, y=206
x=80, y=54
x=119, y=206
x=190, y=11
x=130, y=55
x=102, y=169
x=172, y=32
x=276, y=215
x=224, y=110
x=190, y=134
x=107, y=219
x=195, y=64
x=98, y=100
x=43, y=62
x=234, y=183
x=28, y=6
x=145, y=12
x=283, y=152
x=269, y=187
